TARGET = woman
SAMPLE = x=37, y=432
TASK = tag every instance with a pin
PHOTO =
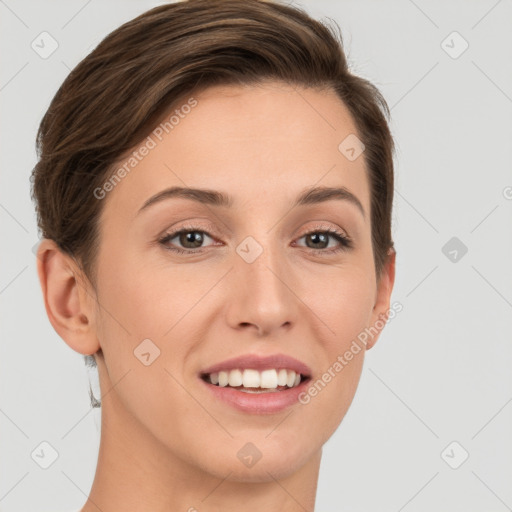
x=214, y=189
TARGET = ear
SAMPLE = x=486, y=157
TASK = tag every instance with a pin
x=68, y=298
x=382, y=299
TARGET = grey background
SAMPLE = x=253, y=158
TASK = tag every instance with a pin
x=441, y=370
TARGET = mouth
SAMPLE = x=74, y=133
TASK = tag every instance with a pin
x=250, y=380
x=257, y=384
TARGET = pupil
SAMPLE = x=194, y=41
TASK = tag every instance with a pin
x=321, y=236
x=191, y=237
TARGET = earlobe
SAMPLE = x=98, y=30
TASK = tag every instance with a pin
x=383, y=298
x=67, y=302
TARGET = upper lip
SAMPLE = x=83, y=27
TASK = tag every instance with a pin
x=257, y=362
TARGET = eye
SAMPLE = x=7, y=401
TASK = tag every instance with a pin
x=318, y=240
x=191, y=237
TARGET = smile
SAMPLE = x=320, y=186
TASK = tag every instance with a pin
x=254, y=381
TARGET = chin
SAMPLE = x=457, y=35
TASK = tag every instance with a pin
x=261, y=472
x=275, y=462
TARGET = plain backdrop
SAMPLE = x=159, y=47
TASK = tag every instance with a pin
x=430, y=426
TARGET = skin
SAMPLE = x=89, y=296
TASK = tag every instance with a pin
x=165, y=443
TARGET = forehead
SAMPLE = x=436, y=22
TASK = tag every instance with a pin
x=255, y=142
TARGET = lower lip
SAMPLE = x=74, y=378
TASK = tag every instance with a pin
x=258, y=403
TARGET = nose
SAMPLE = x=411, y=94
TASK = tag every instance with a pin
x=261, y=296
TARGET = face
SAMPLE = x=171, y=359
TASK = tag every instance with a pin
x=259, y=277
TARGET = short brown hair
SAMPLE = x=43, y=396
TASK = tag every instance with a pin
x=115, y=95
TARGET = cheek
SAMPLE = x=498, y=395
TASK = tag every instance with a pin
x=343, y=300
x=326, y=400
x=149, y=299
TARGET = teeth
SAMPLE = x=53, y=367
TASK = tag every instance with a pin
x=266, y=379
x=235, y=378
x=282, y=377
x=251, y=379
x=223, y=379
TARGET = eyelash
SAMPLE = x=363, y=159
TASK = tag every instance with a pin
x=345, y=241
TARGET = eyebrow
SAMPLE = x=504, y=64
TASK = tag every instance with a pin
x=309, y=196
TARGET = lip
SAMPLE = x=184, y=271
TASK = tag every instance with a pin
x=258, y=403
x=262, y=403
x=258, y=362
